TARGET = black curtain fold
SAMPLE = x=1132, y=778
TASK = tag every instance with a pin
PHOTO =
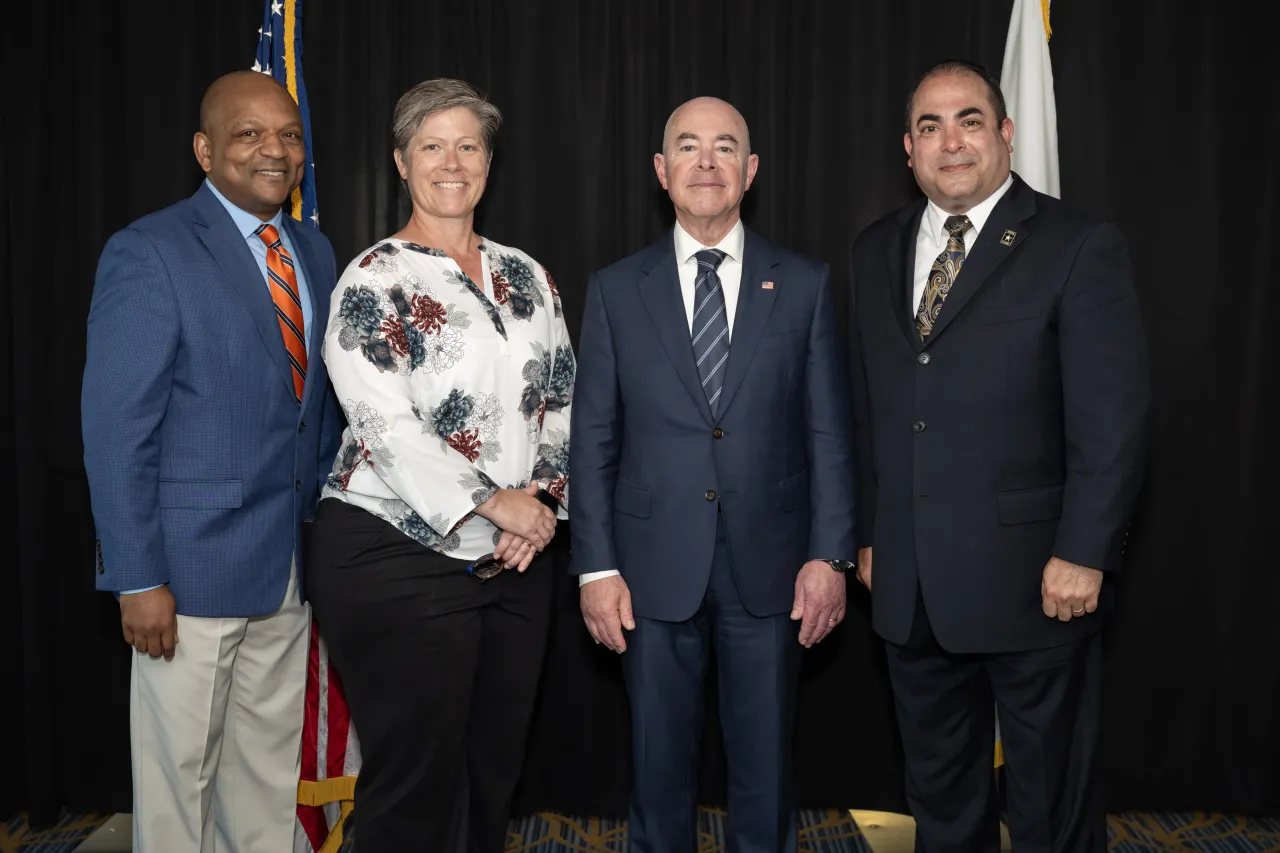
x=1167, y=124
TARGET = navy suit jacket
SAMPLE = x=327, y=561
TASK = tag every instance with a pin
x=201, y=463
x=652, y=467
x=1017, y=433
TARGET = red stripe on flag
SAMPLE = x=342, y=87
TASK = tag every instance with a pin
x=312, y=817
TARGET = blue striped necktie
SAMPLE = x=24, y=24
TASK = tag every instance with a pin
x=710, y=326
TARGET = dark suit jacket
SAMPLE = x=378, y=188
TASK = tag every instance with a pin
x=1016, y=434
x=201, y=463
x=651, y=465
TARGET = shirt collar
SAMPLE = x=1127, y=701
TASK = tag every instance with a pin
x=246, y=222
x=731, y=244
x=934, y=216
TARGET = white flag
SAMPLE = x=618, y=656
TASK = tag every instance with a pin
x=1027, y=81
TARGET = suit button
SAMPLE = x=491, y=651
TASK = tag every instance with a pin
x=717, y=433
x=302, y=426
x=710, y=495
x=923, y=358
x=918, y=426
x=297, y=485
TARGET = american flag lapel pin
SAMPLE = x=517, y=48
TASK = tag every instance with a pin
x=766, y=285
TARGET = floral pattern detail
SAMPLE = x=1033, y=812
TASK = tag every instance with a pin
x=555, y=293
x=459, y=278
x=442, y=409
x=482, y=486
x=363, y=445
x=381, y=259
x=548, y=384
x=469, y=424
x=552, y=465
x=515, y=288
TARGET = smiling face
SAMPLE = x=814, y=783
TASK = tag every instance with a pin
x=956, y=145
x=445, y=165
x=707, y=164
x=250, y=142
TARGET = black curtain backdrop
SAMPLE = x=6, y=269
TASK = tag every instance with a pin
x=1169, y=125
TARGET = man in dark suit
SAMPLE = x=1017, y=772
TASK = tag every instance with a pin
x=208, y=425
x=1001, y=405
x=713, y=486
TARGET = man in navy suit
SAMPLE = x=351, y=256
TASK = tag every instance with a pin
x=1002, y=403
x=713, y=486
x=207, y=421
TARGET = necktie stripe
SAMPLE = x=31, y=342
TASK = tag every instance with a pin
x=712, y=319
x=282, y=280
x=277, y=280
x=712, y=345
x=714, y=368
x=709, y=369
x=293, y=327
x=698, y=310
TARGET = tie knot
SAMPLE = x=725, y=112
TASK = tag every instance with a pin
x=710, y=257
x=268, y=233
x=956, y=225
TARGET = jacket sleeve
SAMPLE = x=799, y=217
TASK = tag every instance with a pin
x=595, y=440
x=832, y=496
x=864, y=467
x=134, y=329
x=1106, y=401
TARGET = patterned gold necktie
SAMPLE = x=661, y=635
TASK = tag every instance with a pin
x=942, y=276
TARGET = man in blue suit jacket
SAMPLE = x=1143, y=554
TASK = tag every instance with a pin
x=206, y=431
x=713, y=486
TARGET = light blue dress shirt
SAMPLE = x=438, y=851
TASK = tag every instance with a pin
x=246, y=224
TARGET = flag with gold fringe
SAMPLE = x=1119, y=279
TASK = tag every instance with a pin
x=1027, y=80
x=330, y=750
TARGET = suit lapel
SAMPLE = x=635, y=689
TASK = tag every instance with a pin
x=660, y=292
x=754, y=305
x=1005, y=230
x=902, y=272
x=218, y=233
x=319, y=313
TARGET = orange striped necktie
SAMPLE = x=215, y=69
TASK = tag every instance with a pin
x=284, y=293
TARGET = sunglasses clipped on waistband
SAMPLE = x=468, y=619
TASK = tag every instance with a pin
x=485, y=568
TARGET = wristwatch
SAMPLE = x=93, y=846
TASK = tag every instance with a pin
x=841, y=565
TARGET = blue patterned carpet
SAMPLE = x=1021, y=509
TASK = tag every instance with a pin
x=821, y=832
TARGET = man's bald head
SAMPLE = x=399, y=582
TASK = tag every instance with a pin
x=250, y=142
x=236, y=87
x=703, y=104
x=705, y=166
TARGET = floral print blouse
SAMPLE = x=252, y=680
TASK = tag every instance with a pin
x=450, y=393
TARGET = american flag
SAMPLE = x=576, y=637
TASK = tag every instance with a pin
x=330, y=749
x=280, y=55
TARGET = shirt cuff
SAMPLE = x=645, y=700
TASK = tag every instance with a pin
x=583, y=580
x=136, y=591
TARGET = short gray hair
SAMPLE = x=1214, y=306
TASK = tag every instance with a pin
x=438, y=95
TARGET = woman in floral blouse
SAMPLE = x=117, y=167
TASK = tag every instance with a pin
x=450, y=357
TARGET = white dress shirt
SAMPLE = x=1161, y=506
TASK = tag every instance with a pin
x=730, y=272
x=931, y=240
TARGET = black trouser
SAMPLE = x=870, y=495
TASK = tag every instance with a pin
x=440, y=672
x=1049, y=704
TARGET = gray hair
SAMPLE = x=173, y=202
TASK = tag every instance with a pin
x=433, y=96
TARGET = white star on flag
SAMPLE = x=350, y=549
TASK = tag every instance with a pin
x=277, y=7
